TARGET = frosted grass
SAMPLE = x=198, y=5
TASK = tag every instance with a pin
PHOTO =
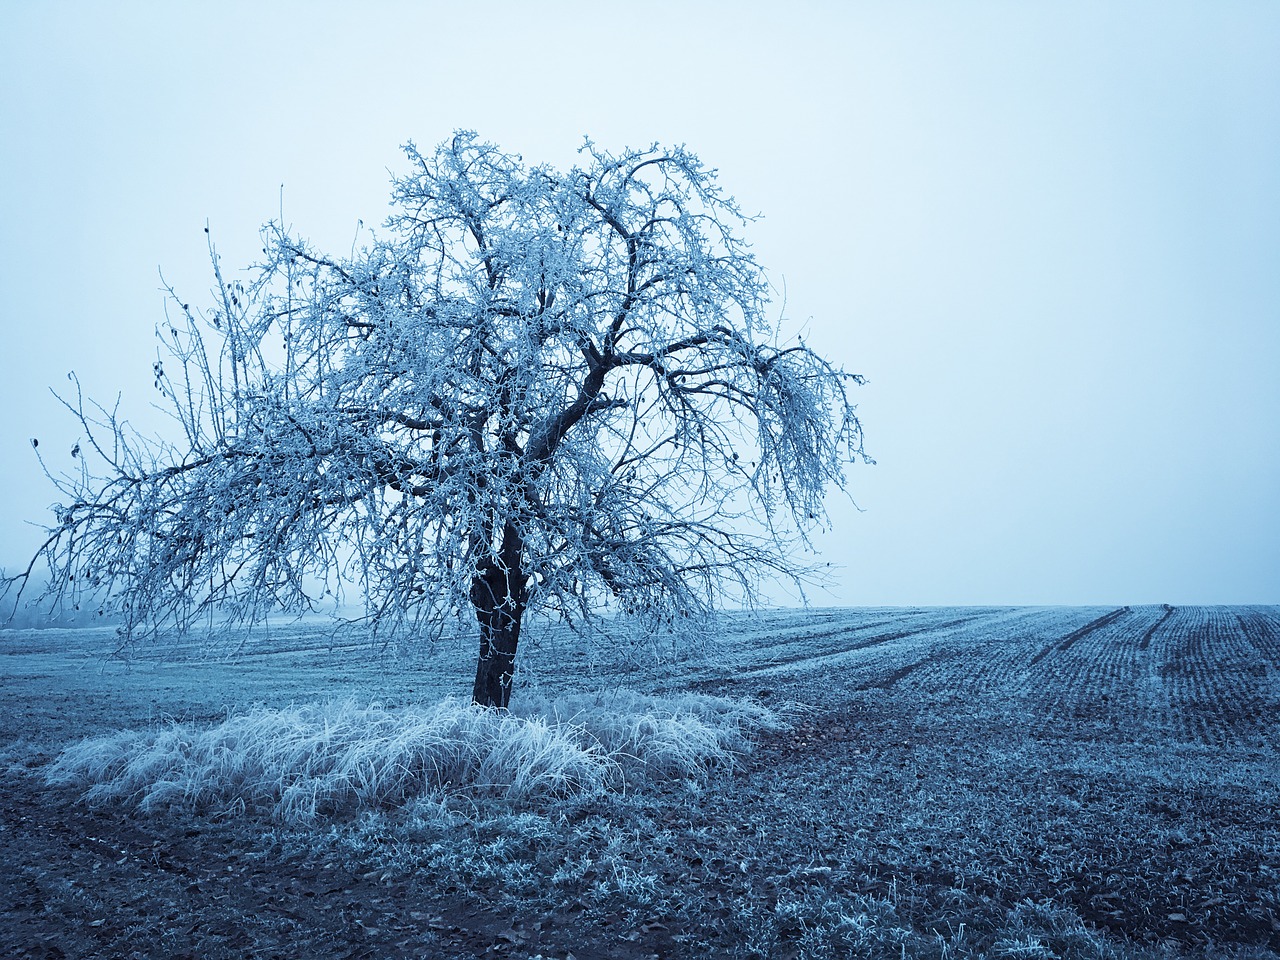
x=663, y=737
x=339, y=757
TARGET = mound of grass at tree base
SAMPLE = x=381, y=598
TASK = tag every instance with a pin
x=340, y=758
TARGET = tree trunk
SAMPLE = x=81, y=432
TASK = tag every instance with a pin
x=498, y=594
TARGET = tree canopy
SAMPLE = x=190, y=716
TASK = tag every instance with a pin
x=531, y=391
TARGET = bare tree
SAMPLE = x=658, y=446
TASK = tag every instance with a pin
x=534, y=391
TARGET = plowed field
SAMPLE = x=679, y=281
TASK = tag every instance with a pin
x=954, y=783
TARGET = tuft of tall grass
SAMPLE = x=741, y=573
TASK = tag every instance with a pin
x=324, y=759
x=671, y=737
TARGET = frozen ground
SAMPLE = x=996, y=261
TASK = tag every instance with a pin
x=954, y=782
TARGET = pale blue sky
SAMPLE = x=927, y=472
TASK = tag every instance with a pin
x=1048, y=233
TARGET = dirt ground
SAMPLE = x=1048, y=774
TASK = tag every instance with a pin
x=103, y=884
x=937, y=810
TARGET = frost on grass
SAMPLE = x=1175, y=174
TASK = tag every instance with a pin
x=325, y=759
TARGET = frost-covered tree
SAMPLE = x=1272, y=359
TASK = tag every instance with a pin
x=533, y=391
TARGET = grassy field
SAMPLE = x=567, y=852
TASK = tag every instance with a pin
x=938, y=783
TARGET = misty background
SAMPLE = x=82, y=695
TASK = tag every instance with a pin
x=1048, y=234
